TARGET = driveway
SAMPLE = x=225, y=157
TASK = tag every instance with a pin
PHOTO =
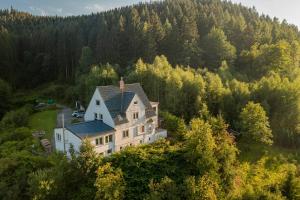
x=67, y=112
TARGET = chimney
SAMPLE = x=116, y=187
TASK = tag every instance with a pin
x=122, y=85
x=122, y=88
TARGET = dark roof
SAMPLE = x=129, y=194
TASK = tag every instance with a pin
x=114, y=104
x=112, y=96
x=90, y=128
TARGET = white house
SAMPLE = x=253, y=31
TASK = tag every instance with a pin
x=116, y=117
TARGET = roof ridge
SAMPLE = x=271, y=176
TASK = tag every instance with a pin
x=117, y=86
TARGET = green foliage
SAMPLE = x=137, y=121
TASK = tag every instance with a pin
x=85, y=61
x=5, y=95
x=254, y=124
x=109, y=183
x=165, y=189
x=201, y=146
x=16, y=118
x=41, y=184
x=268, y=179
x=179, y=90
x=149, y=162
x=191, y=32
x=217, y=49
x=291, y=188
x=203, y=189
x=278, y=57
x=17, y=162
x=280, y=97
x=176, y=126
x=98, y=75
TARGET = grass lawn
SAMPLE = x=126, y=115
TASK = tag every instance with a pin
x=254, y=152
x=44, y=120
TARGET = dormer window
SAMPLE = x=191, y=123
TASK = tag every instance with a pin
x=97, y=102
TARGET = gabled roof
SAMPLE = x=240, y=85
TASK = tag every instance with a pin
x=90, y=128
x=112, y=96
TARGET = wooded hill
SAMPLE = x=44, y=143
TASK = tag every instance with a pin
x=198, y=33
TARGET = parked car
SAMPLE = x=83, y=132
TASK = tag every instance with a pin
x=40, y=105
x=78, y=114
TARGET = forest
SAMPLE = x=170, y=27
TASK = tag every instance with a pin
x=226, y=77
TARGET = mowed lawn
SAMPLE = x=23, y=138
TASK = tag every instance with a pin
x=44, y=120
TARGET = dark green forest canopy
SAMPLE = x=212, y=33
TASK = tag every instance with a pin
x=199, y=33
x=216, y=68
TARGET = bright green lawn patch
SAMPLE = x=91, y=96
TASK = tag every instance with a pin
x=254, y=152
x=44, y=120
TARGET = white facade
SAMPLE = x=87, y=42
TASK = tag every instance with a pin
x=138, y=128
x=101, y=109
x=65, y=136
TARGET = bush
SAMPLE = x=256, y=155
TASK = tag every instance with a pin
x=16, y=118
x=175, y=125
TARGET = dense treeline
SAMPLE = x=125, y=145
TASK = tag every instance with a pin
x=190, y=93
x=199, y=33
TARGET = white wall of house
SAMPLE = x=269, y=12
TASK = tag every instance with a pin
x=103, y=148
x=136, y=106
x=70, y=138
x=99, y=110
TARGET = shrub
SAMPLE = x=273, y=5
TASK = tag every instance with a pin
x=175, y=125
x=16, y=118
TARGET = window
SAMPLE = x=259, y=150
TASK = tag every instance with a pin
x=100, y=117
x=154, y=108
x=150, y=128
x=108, y=138
x=126, y=134
x=109, y=151
x=99, y=141
x=121, y=148
x=58, y=137
x=95, y=116
x=141, y=141
x=135, y=131
x=143, y=129
x=98, y=102
x=135, y=103
x=135, y=115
